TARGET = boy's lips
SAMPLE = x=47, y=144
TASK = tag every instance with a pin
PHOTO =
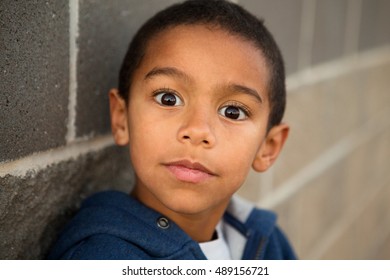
x=187, y=171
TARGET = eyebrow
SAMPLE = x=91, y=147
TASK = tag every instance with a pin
x=246, y=90
x=167, y=71
x=176, y=73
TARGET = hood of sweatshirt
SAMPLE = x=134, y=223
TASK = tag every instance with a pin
x=114, y=225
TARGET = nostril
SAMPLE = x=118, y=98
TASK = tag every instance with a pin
x=195, y=140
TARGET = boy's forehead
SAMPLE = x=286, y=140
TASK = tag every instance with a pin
x=205, y=46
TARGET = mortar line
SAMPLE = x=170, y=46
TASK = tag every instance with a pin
x=327, y=159
x=38, y=161
x=73, y=53
x=307, y=33
x=337, y=68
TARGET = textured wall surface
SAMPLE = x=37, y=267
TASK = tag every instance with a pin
x=331, y=186
x=34, y=76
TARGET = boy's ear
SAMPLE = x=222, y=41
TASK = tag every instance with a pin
x=118, y=113
x=271, y=147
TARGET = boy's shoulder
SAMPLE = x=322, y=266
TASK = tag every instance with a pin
x=260, y=237
x=114, y=225
x=121, y=228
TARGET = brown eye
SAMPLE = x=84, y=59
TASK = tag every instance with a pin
x=168, y=99
x=233, y=113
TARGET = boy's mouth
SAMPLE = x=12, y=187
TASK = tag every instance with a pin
x=187, y=171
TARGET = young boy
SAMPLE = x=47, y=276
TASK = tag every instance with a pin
x=201, y=98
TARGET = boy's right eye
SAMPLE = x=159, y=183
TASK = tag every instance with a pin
x=168, y=99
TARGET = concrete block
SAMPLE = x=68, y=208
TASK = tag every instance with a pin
x=341, y=110
x=327, y=206
x=374, y=85
x=375, y=22
x=365, y=237
x=323, y=204
x=346, y=247
x=384, y=251
x=290, y=219
x=367, y=166
x=34, y=208
x=309, y=136
x=251, y=189
x=357, y=176
x=34, y=76
x=329, y=32
x=309, y=213
x=105, y=31
x=283, y=18
x=322, y=114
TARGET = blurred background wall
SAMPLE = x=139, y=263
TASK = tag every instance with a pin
x=331, y=186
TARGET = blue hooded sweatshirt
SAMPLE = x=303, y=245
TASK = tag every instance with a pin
x=113, y=225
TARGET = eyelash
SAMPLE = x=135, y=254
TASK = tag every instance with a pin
x=164, y=90
x=239, y=105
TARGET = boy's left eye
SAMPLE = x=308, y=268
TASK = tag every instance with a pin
x=168, y=99
x=233, y=113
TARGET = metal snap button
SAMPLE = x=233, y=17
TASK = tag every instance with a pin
x=163, y=223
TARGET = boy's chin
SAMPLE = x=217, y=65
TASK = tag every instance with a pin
x=193, y=206
x=188, y=210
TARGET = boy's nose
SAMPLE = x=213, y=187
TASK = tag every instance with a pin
x=197, y=129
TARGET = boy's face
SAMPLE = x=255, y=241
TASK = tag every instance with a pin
x=196, y=119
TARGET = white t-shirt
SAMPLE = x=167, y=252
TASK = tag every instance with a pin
x=216, y=249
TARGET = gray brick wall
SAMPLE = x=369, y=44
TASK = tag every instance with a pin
x=104, y=34
x=34, y=76
x=58, y=60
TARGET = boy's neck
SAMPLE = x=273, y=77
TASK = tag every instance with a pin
x=200, y=226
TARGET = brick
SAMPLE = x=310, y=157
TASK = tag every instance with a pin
x=283, y=18
x=329, y=32
x=321, y=114
x=34, y=208
x=366, y=167
x=375, y=22
x=364, y=238
x=323, y=204
x=251, y=189
x=374, y=85
x=290, y=219
x=34, y=75
x=105, y=31
x=309, y=213
x=331, y=200
x=309, y=135
x=384, y=251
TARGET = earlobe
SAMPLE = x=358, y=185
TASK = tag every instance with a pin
x=118, y=113
x=271, y=147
